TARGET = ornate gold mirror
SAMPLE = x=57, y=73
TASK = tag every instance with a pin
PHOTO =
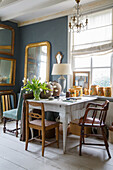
x=7, y=71
x=59, y=57
x=37, y=61
x=6, y=40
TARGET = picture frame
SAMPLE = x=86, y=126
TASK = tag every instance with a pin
x=81, y=79
x=7, y=71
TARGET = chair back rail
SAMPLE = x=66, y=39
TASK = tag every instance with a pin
x=101, y=112
x=35, y=115
x=7, y=104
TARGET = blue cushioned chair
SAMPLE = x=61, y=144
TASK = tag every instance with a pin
x=14, y=114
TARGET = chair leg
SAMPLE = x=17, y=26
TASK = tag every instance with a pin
x=83, y=135
x=39, y=133
x=106, y=143
x=4, y=121
x=16, y=128
x=27, y=137
x=43, y=142
x=57, y=136
x=81, y=138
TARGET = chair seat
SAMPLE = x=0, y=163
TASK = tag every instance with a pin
x=48, y=123
x=88, y=122
x=12, y=114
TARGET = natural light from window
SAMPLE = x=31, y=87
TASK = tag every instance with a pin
x=92, y=50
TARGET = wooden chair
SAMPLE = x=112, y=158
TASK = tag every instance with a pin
x=40, y=124
x=99, y=110
x=13, y=114
x=5, y=101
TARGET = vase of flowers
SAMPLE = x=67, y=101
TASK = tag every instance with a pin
x=36, y=86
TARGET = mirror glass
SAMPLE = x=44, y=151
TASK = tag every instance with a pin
x=37, y=61
x=7, y=71
x=6, y=40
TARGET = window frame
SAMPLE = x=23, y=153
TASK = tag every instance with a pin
x=90, y=69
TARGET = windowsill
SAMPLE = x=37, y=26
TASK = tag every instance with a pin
x=102, y=98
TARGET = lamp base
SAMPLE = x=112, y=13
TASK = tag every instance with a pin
x=62, y=82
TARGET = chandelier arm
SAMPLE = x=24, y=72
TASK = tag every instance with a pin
x=76, y=21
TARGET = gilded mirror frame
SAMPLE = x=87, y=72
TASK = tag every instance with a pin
x=45, y=43
x=12, y=72
x=12, y=41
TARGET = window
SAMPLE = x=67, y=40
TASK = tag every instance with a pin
x=91, y=50
x=98, y=66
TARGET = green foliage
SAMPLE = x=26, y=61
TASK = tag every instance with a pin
x=36, y=85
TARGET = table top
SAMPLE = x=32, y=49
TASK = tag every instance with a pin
x=62, y=101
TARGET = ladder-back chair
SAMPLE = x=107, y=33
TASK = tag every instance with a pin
x=41, y=124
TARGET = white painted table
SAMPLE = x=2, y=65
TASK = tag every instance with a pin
x=66, y=110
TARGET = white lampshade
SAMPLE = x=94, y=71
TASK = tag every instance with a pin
x=61, y=69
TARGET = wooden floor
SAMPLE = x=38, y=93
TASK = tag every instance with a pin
x=14, y=157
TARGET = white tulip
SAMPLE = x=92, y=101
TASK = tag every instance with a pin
x=47, y=91
x=34, y=76
x=27, y=80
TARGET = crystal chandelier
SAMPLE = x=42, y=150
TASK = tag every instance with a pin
x=76, y=23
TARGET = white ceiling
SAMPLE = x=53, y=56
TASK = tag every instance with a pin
x=30, y=11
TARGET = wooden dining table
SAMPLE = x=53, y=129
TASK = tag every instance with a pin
x=66, y=108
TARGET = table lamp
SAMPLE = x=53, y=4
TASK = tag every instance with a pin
x=62, y=69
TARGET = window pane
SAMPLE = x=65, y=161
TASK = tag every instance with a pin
x=82, y=62
x=101, y=61
x=101, y=77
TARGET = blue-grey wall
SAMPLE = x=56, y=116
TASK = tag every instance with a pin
x=16, y=56
x=54, y=31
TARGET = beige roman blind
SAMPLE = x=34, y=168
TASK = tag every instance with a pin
x=98, y=38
